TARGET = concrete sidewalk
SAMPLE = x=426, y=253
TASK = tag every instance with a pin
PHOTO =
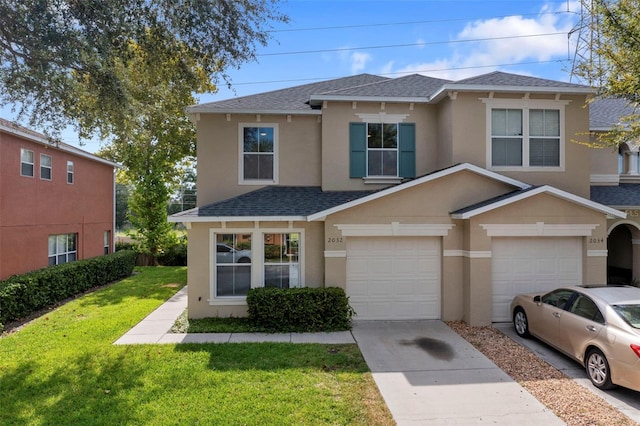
x=155, y=329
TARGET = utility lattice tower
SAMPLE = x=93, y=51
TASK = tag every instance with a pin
x=587, y=66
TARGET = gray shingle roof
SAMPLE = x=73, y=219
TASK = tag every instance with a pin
x=289, y=99
x=414, y=85
x=623, y=195
x=493, y=200
x=606, y=113
x=498, y=78
x=278, y=201
x=296, y=99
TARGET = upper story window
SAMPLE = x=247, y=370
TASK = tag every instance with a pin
x=70, y=172
x=382, y=150
x=258, y=154
x=45, y=167
x=525, y=134
x=26, y=162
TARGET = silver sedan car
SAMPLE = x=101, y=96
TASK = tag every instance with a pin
x=598, y=326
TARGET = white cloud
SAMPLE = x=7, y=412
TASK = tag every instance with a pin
x=501, y=41
x=358, y=61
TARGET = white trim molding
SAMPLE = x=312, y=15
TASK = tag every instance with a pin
x=382, y=117
x=335, y=253
x=395, y=229
x=539, y=229
x=470, y=254
x=605, y=179
x=597, y=253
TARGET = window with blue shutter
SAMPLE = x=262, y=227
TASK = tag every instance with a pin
x=382, y=150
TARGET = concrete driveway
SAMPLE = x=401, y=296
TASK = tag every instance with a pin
x=625, y=400
x=429, y=375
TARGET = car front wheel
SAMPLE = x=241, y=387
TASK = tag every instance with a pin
x=520, y=322
x=598, y=371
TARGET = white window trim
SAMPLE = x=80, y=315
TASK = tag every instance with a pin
x=72, y=172
x=381, y=178
x=257, y=260
x=525, y=105
x=49, y=167
x=276, y=138
x=24, y=162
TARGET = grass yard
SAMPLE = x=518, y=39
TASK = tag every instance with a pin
x=62, y=369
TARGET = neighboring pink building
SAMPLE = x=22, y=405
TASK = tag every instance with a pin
x=56, y=202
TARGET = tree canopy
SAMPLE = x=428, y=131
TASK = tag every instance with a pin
x=53, y=50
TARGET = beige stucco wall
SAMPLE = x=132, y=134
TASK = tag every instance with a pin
x=201, y=302
x=541, y=208
x=299, y=153
x=336, y=117
x=469, y=140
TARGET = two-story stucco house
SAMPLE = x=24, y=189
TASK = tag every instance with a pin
x=423, y=198
x=56, y=202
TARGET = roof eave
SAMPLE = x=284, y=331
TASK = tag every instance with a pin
x=391, y=99
x=199, y=110
x=177, y=218
x=43, y=140
x=445, y=89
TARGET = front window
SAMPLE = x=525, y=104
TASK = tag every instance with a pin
x=282, y=260
x=528, y=137
x=233, y=265
x=45, y=167
x=382, y=149
x=62, y=248
x=26, y=162
x=258, y=154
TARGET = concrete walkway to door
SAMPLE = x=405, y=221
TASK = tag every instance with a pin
x=429, y=375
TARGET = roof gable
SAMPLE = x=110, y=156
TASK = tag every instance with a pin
x=419, y=181
x=515, y=196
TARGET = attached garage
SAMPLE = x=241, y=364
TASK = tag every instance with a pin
x=528, y=265
x=394, y=278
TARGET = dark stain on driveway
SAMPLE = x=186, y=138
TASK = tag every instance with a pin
x=434, y=347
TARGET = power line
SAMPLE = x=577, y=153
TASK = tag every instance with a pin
x=433, y=21
x=391, y=46
x=298, y=80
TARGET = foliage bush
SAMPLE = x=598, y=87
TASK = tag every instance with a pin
x=21, y=295
x=175, y=254
x=299, y=309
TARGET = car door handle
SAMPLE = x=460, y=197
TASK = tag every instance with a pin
x=556, y=314
x=591, y=328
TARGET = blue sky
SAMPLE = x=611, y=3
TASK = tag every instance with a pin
x=450, y=39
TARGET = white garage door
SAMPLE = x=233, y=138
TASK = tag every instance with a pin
x=528, y=265
x=394, y=278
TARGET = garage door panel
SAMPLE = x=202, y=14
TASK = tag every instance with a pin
x=394, y=278
x=530, y=265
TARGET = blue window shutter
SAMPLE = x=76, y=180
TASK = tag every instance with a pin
x=407, y=138
x=357, y=150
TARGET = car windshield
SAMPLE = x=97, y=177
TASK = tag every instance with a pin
x=630, y=313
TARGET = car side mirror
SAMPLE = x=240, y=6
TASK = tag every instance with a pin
x=537, y=299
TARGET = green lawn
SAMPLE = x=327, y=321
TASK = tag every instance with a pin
x=63, y=369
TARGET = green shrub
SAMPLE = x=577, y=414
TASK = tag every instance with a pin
x=21, y=295
x=299, y=309
x=176, y=254
x=122, y=245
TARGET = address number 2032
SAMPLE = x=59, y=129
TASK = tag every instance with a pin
x=334, y=239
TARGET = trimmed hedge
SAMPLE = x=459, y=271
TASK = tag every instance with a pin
x=299, y=309
x=21, y=295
